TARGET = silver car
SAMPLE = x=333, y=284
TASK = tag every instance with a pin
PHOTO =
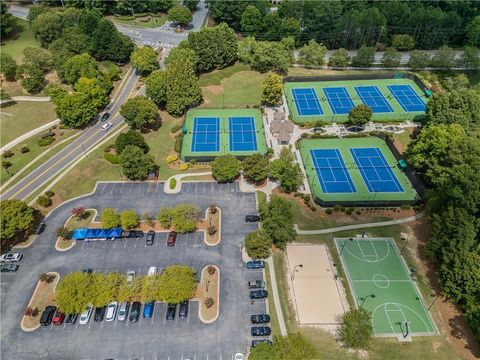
x=85, y=316
x=111, y=311
x=123, y=311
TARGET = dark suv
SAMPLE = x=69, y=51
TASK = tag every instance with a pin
x=47, y=315
x=100, y=313
x=260, y=319
x=183, y=310
x=132, y=234
x=252, y=218
x=260, y=331
x=258, y=294
x=171, y=309
x=255, y=264
x=150, y=238
x=135, y=311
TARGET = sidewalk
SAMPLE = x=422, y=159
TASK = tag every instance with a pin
x=29, y=134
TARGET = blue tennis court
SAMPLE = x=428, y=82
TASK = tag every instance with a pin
x=242, y=134
x=408, y=99
x=373, y=98
x=339, y=100
x=375, y=170
x=331, y=171
x=206, y=134
x=306, y=102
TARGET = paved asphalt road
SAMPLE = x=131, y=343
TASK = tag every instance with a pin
x=153, y=338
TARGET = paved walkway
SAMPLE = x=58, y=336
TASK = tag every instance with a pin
x=276, y=298
x=179, y=177
x=360, y=226
x=29, y=134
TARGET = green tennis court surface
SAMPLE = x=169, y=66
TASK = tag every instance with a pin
x=355, y=171
x=331, y=101
x=209, y=133
x=381, y=283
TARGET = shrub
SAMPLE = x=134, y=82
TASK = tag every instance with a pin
x=48, y=278
x=8, y=154
x=211, y=230
x=358, y=212
x=48, y=134
x=171, y=158
x=64, y=233
x=313, y=208
x=329, y=211
x=349, y=211
x=212, y=208
x=184, y=166
x=24, y=149
x=44, y=201
x=173, y=183
x=50, y=193
x=209, y=302
x=405, y=207
x=178, y=143
x=337, y=208
x=45, y=142
x=111, y=158
x=211, y=269
x=306, y=197
x=193, y=162
x=342, y=209
x=175, y=128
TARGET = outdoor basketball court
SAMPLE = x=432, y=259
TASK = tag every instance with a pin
x=317, y=293
x=382, y=283
x=395, y=98
x=208, y=133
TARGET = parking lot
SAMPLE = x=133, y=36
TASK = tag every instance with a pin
x=154, y=338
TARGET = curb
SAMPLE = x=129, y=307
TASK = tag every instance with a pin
x=31, y=299
x=65, y=224
x=218, y=299
x=179, y=177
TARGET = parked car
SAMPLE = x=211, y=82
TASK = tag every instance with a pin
x=111, y=311
x=263, y=341
x=252, y=218
x=135, y=311
x=40, y=228
x=85, y=316
x=123, y=311
x=106, y=126
x=132, y=234
x=260, y=318
x=130, y=276
x=183, y=310
x=105, y=116
x=71, y=319
x=8, y=267
x=99, y=313
x=11, y=257
x=87, y=271
x=150, y=238
x=152, y=271
x=58, y=318
x=171, y=310
x=256, y=284
x=258, y=294
x=148, y=310
x=260, y=331
x=239, y=356
x=47, y=315
x=172, y=238
x=255, y=264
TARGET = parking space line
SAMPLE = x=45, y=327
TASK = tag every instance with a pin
x=126, y=241
x=153, y=313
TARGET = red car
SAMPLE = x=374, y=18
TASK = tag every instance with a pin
x=172, y=238
x=58, y=318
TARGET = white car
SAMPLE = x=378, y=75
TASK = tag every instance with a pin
x=152, y=271
x=85, y=316
x=11, y=257
x=239, y=356
x=111, y=311
x=106, y=126
x=130, y=276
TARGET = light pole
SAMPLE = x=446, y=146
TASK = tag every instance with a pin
x=366, y=297
x=343, y=245
x=292, y=276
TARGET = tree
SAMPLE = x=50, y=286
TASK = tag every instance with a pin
x=135, y=164
x=78, y=212
x=184, y=218
x=403, y=42
x=31, y=78
x=78, y=66
x=75, y=109
x=277, y=221
x=72, y=42
x=191, y=4
x=391, y=58
x=419, y=60
x=270, y=56
x=360, y=115
x=7, y=21
x=109, y=44
x=16, y=217
x=109, y=218
x=103, y=288
x=95, y=90
x=470, y=57
x=128, y=219
x=312, y=54
x=131, y=137
x=180, y=14
x=365, y=57
x=473, y=32
x=258, y=244
x=231, y=12
x=35, y=11
x=39, y=57
x=156, y=87
x=246, y=49
x=177, y=283
x=225, y=168
x=139, y=112
x=73, y=293
x=444, y=58
x=356, y=330
x=8, y=66
x=252, y=21
x=164, y=217
x=150, y=287
x=47, y=27
x=287, y=171
x=272, y=90
x=255, y=168
x=144, y=60
x=340, y=59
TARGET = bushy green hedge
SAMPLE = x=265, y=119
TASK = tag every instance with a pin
x=45, y=142
x=111, y=158
x=178, y=143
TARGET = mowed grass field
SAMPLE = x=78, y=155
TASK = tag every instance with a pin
x=24, y=38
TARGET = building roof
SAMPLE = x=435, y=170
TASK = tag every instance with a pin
x=281, y=126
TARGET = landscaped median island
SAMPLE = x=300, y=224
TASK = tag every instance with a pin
x=43, y=296
x=208, y=292
x=80, y=218
x=213, y=222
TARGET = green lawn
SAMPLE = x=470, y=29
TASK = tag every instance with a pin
x=154, y=22
x=271, y=306
x=22, y=40
x=19, y=160
x=404, y=139
x=21, y=117
x=216, y=76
